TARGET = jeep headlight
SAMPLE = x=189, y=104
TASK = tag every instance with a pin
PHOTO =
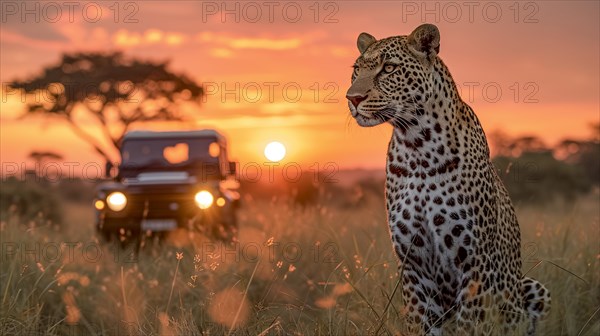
x=116, y=201
x=204, y=199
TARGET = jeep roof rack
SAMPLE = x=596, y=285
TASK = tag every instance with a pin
x=204, y=133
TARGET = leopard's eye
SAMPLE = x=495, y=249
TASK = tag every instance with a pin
x=356, y=68
x=389, y=68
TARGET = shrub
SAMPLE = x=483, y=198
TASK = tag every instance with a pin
x=29, y=202
x=537, y=177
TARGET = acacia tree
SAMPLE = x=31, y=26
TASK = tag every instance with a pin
x=115, y=90
x=39, y=157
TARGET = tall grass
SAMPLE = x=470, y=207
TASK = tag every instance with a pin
x=320, y=270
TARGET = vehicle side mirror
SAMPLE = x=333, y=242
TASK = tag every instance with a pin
x=233, y=168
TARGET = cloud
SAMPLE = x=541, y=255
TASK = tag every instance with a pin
x=221, y=53
x=264, y=43
x=175, y=39
x=125, y=38
x=153, y=35
x=342, y=51
x=77, y=38
x=29, y=21
x=19, y=39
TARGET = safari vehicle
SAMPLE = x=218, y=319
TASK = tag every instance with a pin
x=169, y=180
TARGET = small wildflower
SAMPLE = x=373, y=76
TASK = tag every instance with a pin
x=193, y=282
x=327, y=302
x=64, y=278
x=270, y=241
x=179, y=255
x=213, y=266
x=346, y=272
x=342, y=289
x=357, y=262
x=73, y=314
x=165, y=328
x=84, y=281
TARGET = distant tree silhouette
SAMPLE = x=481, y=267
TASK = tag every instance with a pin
x=499, y=143
x=115, y=90
x=305, y=191
x=39, y=157
x=538, y=177
x=534, y=173
x=585, y=153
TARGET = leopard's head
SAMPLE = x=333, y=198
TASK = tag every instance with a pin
x=392, y=77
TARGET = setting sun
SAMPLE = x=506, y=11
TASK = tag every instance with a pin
x=275, y=151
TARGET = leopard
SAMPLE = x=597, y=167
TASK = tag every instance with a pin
x=451, y=221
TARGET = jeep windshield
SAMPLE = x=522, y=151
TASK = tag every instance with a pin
x=192, y=155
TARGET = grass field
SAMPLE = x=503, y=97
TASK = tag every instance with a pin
x=319, y=270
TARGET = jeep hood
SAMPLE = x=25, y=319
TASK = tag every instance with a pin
x=162, y=177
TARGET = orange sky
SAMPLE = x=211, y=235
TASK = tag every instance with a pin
x=550, y=49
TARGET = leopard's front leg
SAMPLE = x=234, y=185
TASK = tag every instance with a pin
x=474, y=304
x=423, y=308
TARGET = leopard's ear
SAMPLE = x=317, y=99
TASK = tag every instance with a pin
x=364, y=41
x=425, y=39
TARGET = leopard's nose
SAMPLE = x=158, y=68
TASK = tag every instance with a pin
x=355, y=100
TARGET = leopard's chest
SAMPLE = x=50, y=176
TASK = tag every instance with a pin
x=428, y=217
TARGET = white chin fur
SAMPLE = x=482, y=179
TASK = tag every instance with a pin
x=353, y=110
x=367, y=122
